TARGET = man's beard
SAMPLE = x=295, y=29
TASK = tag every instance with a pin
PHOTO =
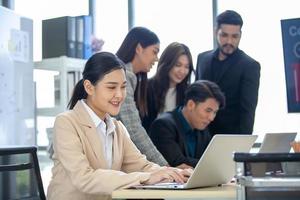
x=221, y=48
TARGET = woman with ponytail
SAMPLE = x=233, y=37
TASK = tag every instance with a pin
x=139, y=51
x=93, y=154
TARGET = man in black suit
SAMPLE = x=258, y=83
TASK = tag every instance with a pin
x=181, y=135
x=235, y=72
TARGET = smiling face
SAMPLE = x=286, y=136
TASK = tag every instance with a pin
x=199, y=115
x=228, y=37
x=179, y=71
x=146, y=57
x=108, y=94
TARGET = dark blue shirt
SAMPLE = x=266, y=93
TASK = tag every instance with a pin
x=189, y=134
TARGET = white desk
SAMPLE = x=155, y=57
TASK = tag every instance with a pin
x=227, y=192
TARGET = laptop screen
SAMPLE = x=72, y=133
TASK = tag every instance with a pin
x=277, y=142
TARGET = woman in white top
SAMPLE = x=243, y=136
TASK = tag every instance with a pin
x=166, y=88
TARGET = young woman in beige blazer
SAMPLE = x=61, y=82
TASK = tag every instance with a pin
x=93, y=154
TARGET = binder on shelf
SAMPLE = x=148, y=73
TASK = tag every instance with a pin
x=71, y=37
x=83, y=36
x=87, y=37
x=59, y=37
x=79, y=36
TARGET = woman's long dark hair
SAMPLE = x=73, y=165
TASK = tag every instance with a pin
x=126, y=52
x=95, y=69
x=161, y=80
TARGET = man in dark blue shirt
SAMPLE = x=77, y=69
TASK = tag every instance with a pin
x=181, y=135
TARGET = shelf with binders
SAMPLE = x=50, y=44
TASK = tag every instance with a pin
x=55, y=79
x=70, y=36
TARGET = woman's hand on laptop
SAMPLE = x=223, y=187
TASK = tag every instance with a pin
x=168, y=174
x=187, y=172
x=184, y=166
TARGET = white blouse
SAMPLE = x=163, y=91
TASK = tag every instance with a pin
x=170, y=100
x=105, y=131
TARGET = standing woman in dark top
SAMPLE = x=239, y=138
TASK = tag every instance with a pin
x=165, y=90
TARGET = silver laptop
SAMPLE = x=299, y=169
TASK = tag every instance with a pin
x=216, y=166
x=277, y=142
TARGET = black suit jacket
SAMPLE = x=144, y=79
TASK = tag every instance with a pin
x=151, y=106
x=240, y=82
x=167, y=134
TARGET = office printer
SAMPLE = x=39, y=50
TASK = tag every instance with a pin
x=262, y=176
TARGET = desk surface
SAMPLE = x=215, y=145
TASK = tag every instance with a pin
x=222, y=192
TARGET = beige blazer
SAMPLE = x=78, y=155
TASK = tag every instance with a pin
x=80, y=170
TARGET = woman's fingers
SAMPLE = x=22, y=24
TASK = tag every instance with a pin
x=187, y=172
x=169, y=174
x=179, y=176
x=184, y=166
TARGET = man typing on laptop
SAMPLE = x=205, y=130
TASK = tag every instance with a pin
x=182, y=138
x=182, y=135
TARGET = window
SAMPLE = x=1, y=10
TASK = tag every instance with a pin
x=45, y=9
x=188, y=22
x=37, y=11
x=111, y=23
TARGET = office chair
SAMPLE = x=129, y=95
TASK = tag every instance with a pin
x=12, y=161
